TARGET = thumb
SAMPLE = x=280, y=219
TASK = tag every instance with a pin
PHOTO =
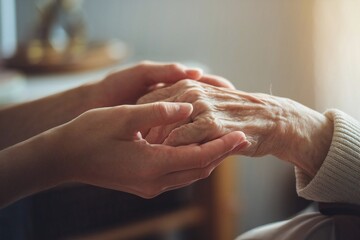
x=145, y=116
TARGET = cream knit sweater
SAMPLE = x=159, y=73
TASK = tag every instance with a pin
x=338, y=179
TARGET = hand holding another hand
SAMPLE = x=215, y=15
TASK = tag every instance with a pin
x=272, y=125
x=104, y=147
x=127, y=85
x=79, y=140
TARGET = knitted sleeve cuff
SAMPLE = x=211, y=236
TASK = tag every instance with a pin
x=338, y=179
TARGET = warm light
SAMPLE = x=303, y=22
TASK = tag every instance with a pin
x=337, y=55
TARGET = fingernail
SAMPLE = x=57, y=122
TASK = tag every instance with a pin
x=242, y=137
x=242, y=146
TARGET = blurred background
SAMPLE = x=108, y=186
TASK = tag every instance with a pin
x=305, y=50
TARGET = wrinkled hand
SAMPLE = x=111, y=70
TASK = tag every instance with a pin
x=104, y=147
x=183, y=91
x=272, y=125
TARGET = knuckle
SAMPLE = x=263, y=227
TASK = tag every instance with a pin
x=210, y=126
x=201, y=105
x=189, y=90
x=209, y=122
x=194, y=94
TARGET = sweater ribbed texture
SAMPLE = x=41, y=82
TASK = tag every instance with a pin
x=338, y=179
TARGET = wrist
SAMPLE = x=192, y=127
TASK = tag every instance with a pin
x=309, y=137
x=27, y=168
x=48, y=151
x=60, y=162
x=92, y=95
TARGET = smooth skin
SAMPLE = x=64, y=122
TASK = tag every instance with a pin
x=92, y=135
x=272, y=125
x=20, y=122
x=104, y=147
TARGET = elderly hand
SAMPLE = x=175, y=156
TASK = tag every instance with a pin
x=272, y=125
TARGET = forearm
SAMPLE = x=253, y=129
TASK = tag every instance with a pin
x=28, y=167
x=20, y=122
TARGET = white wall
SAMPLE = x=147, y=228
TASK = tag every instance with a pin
x=257, y=44
x=337, y=55
x=253, y=43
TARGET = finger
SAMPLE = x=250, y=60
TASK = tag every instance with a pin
x=153, y=135
x=184, y=178
x=190, y=157
x=167, y=73
x=186, y=134
x=242, y=149
x=157, y=135
x=145, y=116
x=161, y=94
x=180, y=179
x=160, y=133
x=216, y=81
x=194, y=73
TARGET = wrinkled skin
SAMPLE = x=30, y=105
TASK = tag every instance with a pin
x=272, y=125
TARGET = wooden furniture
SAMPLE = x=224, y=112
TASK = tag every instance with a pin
x=96, y=55
x=205, y=210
